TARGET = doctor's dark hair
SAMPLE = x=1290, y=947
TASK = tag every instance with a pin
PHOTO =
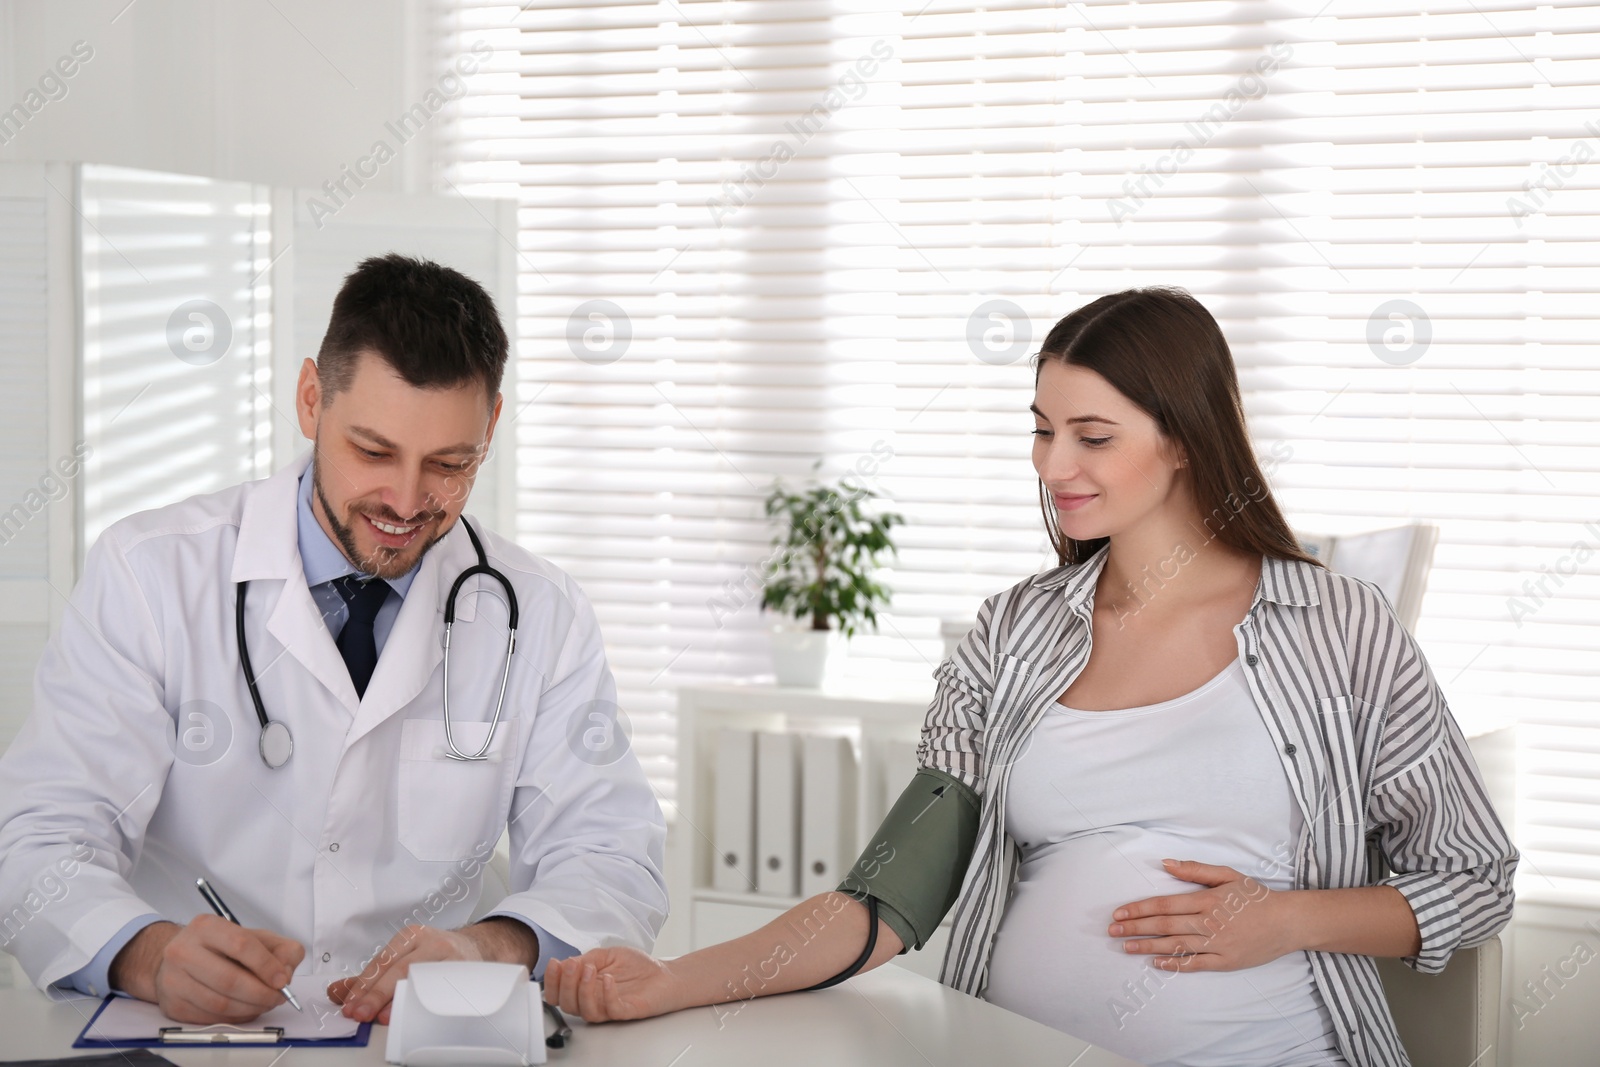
x=435, y=326
x=1160, y=348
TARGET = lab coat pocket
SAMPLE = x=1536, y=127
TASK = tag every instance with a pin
x=449, y=807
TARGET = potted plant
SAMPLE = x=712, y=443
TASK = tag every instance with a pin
x=822, y=574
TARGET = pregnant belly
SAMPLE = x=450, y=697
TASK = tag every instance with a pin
x=1054, y=961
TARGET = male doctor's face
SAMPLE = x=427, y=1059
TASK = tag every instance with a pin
x=392, y=463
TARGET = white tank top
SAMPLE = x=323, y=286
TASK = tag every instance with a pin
x=1095, y=803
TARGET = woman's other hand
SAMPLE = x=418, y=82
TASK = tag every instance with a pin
x=1234, y=923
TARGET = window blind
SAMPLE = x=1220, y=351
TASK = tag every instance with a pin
x=1389, y=208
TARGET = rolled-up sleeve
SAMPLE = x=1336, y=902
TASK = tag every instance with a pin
x=1452, y=858
x=952, y=731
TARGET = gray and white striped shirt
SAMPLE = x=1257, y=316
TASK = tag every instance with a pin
x=1362, y=731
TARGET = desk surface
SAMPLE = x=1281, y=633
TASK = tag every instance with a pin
x=888, y=1016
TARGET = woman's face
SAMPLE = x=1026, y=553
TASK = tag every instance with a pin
x=1103, y=460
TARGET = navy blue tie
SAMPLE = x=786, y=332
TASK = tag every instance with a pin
x=356, y=642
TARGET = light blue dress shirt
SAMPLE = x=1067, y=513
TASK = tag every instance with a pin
x=323, y=561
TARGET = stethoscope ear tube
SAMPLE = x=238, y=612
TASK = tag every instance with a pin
x=275, y=743
x=244, y=655
x=481, y=567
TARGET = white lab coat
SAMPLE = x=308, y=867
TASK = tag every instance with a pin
x=367, y=827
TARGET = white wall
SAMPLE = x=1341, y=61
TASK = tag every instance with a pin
x=1554, y=1024
x=280, y=94
x=283, y=93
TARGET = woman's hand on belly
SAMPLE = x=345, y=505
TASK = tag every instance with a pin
x=1234, y=923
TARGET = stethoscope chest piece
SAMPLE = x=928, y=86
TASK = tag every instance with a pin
x=276, y=744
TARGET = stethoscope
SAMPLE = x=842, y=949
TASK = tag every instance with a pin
x=277, y=745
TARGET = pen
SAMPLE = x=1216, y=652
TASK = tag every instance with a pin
x=563, y=1031
x=222, y=909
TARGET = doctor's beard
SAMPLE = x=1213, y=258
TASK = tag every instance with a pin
x=383, y=562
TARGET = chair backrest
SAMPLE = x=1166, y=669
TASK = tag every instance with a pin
x=1396, y=560
x=1450, y=1019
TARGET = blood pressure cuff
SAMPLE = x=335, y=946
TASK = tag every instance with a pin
x=917, y=859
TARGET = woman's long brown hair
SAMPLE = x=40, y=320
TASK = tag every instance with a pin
x=1160, y=348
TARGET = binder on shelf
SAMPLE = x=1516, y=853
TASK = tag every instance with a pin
x=827, y=813
x=733, y=868
x=777, y=814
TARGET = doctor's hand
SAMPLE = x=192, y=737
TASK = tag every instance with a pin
x=210, y=971
x=607, y=984
x=368, y=996
x=1234, y=923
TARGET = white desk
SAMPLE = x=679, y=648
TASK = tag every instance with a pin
x=883, y=1018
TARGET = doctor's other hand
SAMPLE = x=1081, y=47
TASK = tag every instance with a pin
x=368, y=996
x=210, y=971
x=612, y=984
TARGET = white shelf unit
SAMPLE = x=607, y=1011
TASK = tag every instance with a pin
x=866, y=717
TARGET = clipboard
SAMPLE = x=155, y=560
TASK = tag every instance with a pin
x=216, y=1034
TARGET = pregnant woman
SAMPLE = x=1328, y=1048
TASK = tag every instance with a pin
x=1150, y=776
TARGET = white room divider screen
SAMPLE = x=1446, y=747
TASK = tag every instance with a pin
x=41, y=450
x=177, y=354
x=756, y=233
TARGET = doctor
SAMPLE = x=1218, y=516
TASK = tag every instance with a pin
x=142, y=766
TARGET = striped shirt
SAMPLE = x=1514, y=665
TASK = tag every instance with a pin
x=1362, y=731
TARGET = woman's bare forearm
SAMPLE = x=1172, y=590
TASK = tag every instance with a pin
x=809, y=943
x=1372, y=920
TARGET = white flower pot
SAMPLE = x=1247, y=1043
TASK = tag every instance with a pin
x=800, y=658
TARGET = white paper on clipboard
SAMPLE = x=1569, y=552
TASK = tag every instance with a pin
x=127, y=1019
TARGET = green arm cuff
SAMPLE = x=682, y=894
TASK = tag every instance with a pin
x=917, y=859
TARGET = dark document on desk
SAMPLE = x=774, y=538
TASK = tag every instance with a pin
x=131, y=1058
